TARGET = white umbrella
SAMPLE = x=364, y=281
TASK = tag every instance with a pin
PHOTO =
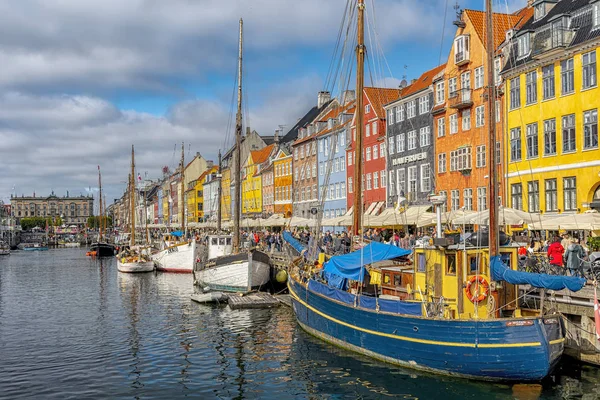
x=589, y=221
x=506, y=216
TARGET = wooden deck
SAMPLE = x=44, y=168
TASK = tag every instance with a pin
x=253, y=300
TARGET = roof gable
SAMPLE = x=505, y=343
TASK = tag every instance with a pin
x=501, y=24
x=378, y=97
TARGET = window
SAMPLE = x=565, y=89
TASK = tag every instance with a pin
x=497, y=69
x=337, y=191
x=568, y=131
x=461, y=49
x=590, y=129
x=400, y=143
x=367, y=108
x=349, y=159
x=466, y=120
x=343, y=189
x=392, y=183
x=440, y=92
x=296, y=175
x=551, y=195
x=453, y=161
x=515, y=93
x=391, y=145
x=368, y=154
x=452, y=87
x=548, y=81
x=383, y=176
x=321, y=168
x=445, y=205
x=411, y=109
x=588, y=61
x=441, y=163
x=336, y=165
x=401, y=179
x=480, y=157
x=314, y=170
x=465, y=81
x=368, y=181
x=480, y=116
x=515, y=144
x=342, y=163
x=375, y=152
x=424, y=104
x=453, y=124
x=567, y=76
x=412, y=140
x=412, y=179
x=400, y=113
x=531, y=137
x=390, y=116
x=382, y=149
x=441, y=127
x=478, y=77
x=468, y=199
x=481, y=198
x=497, y=111
x=425, y=178
x=425, y=136
x=368, y=130
x=570, y=193
x=375, y=180
x=455, y=199
x=531, y=87
x=596, y=15
x=516, y=194
x=533, y=196
x=302, y=151
x=296, y=154
x=523, y=44
x=460, y=159
x=350, y=185
x=549, y=137
x=540, y=11
x=332, y=191
x=374, y=128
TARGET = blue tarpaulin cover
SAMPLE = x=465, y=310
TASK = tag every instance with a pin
x=350, y=265
x=335, y=281
x=500, y=272
x=177, y=233
x=299, y=247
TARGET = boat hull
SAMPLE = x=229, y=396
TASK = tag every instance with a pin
x=4, y=252
x=103, y=249
x=133, y=267
x=178, y=258
x=497, y=349
x=40, y=248
x=235, y=273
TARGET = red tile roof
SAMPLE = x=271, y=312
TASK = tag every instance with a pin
x=501, y=22
x=378, y=97
x=422, y=83
x=260, y=156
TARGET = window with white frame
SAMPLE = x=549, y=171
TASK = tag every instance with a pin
x=368, y=154
x=590, y=129
x=480, y=116
x=567, y=76
x=425, y=178
x=343, y=189
x=515, y=93
x=424, y=104
x=570, y=193
x=596, y=15
x=382, y=176
x=588, y=62
x=314, y=148
x=453, y=124
x=368, y=181
x=478, y=77
x=400, y=143
x=367, y=108
x=549, y=137
x=368, y=130
x=326, y=145
x=392, y=188
x=440, y=95
x=320, y=146
x=411, y=109
x=523, y=45
x=551, y=195
x=412, y=179
x=401, y=181
x=412, y=140
x=332, y=191
x=461, y=49
x=568, y=133
x=497, y=69
x=425, y=136
x=336, y=165
x=350, y=185
x=515, y=144
x=342, y=163
x=531, y=87
x=531, y=138
x=533, y=196
x=498, y=153
x=452, y=87
x=314, y=170
x=382, y=149
x=516, y=195
x=468, y=199
x=375, y=152
x=374, y=128
x=375, y=180
x=390, y=116
x=481, y=198
x=441, y=163
x=400, y=113
x=453, y=161
x=337, y=191
x=548, y=81
x=391, y=140
x=497, y=111
x=455, y=199
x=441, y=127
x=466, y=120
x=349, y=158
x=321, y=168
x=302, y=152
x=480, y=156
x=296, y=175
x=465, y=81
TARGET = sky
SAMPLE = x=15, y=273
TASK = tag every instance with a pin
x=83, y=80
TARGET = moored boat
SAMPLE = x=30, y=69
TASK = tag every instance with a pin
x=4, y=249
x=34, y=247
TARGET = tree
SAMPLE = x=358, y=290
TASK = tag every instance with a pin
x=94, y=222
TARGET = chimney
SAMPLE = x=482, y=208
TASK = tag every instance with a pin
x=348, y=96
x=322, y=98
x=276, y=137
x=247, y=131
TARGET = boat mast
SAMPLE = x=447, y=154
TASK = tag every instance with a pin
x=360, y=60
x=219, y=211
x=132, y=199
x=182, y=200
x=146, y=217
x=493, y=168
x=99, y=205
x=237, y=152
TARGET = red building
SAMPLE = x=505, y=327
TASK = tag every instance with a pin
x=374, y=144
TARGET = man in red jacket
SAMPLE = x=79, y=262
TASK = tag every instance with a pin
x=555, y=252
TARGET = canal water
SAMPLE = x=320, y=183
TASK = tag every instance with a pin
x=72, y=327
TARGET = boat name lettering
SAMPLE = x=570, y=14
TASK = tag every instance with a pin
x=550, y=321
x=519, y=323
x=410, y=158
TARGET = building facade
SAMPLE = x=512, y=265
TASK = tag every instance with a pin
x=410, y=141
x=210, y=188
x=73, y=210
x=282, y=183
x=552, y=101
x=252, y=182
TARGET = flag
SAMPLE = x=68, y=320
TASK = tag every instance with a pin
x=596, y=315
x=139, y=177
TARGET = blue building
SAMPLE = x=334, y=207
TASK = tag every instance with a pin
x=331, y=160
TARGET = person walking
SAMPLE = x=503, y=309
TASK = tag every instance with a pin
x=555, y=253
x=574, y=254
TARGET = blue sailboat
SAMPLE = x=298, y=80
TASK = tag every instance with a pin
x=451, y=310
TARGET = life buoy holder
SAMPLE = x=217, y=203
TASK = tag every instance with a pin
x=478, y=292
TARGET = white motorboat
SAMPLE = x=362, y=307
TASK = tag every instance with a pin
x=176, y=257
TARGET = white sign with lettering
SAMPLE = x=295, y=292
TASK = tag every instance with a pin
x=411, y=158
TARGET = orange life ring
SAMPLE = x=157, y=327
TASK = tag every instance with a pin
x=480, y=291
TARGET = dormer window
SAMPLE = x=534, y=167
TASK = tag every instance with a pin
x=539, y=11
x=509, y=34
x=367, y=108
x=461, y=50
x=596, y=15
x=524, y=44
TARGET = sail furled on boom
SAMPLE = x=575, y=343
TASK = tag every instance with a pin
x=500, y=272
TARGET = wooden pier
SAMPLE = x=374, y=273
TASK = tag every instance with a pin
x=253, y=300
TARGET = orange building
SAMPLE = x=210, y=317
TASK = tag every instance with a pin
x=461, y=125
x=282, y=169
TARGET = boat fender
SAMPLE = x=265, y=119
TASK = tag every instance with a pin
x=480, y=289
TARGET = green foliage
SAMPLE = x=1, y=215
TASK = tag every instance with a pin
x=39, y=222
x=594, y=243
x=94, y=222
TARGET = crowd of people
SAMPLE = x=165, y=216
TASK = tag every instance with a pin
x=562, y=251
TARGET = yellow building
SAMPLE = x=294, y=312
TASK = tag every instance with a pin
x=252, y=181
x=225, y=194
x=282, y=166
x=552, y=99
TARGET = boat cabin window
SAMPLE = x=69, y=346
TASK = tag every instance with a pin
x=229, y=241
x=474, y=264
x=398, y=280
x=222, y=241
x=213, y=241
x=421, y=263
x=451, y=264
x=505, y=257
x=386, y=278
